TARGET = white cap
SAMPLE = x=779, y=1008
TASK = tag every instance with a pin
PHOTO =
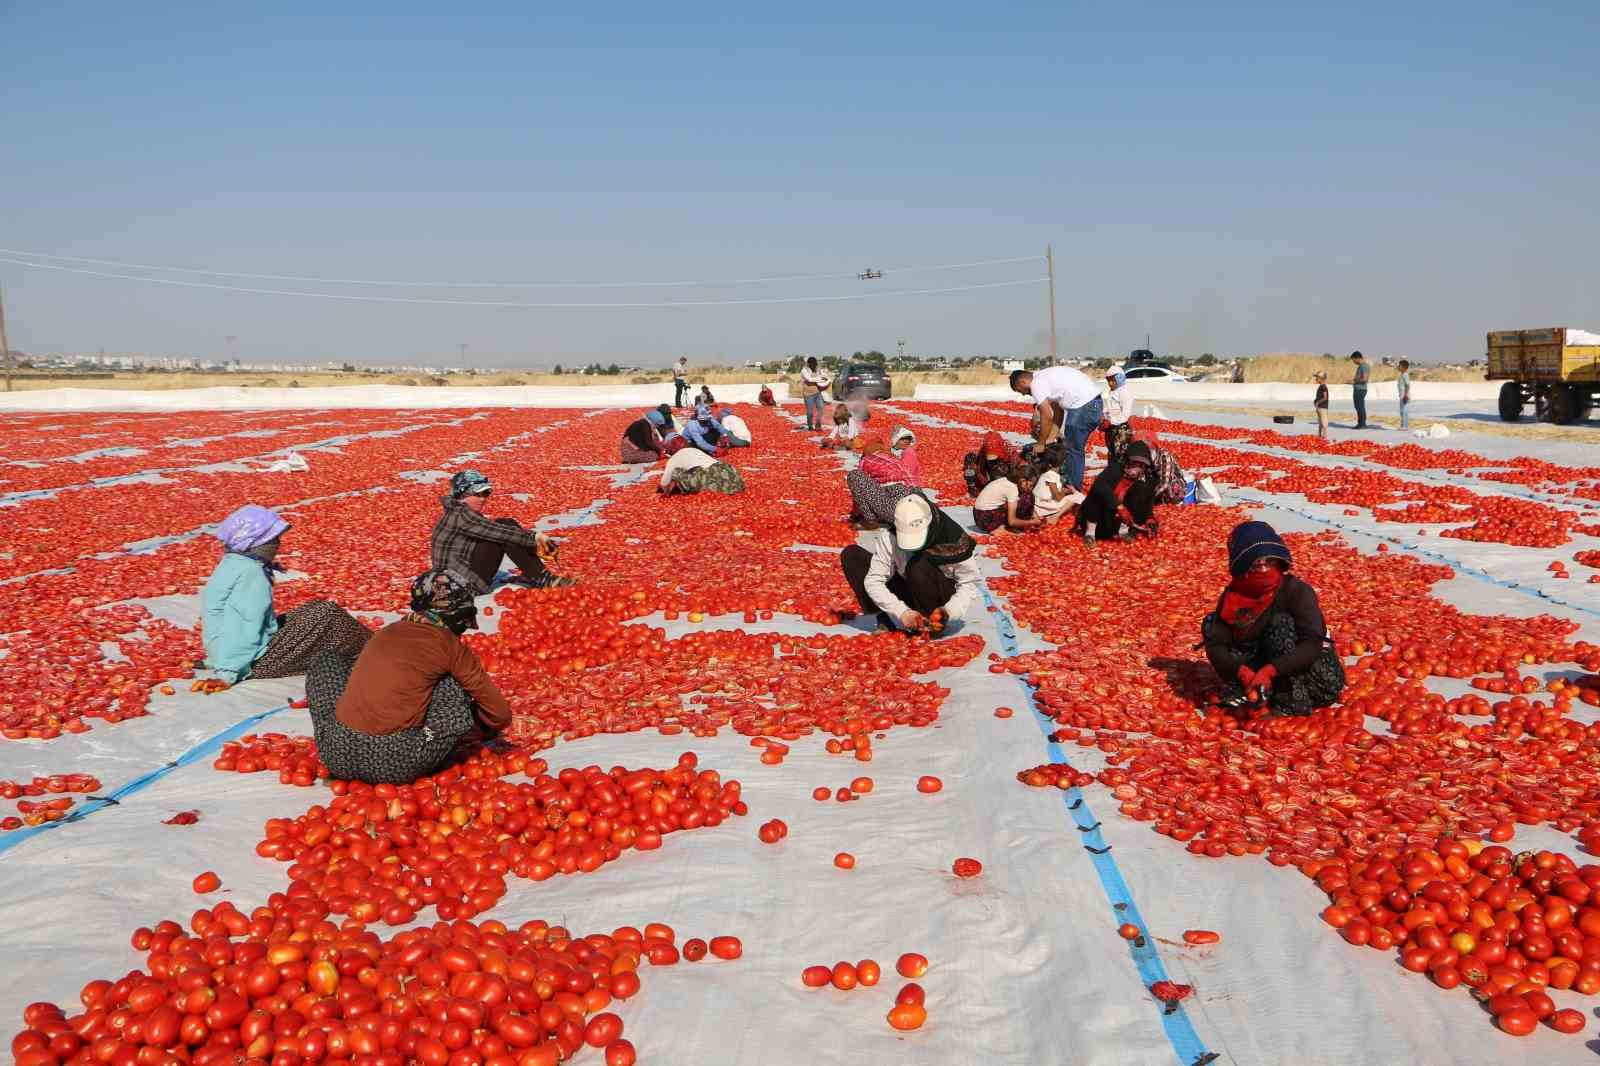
x=913, y=518
x=1113, y=369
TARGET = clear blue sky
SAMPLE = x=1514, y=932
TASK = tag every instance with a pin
x=1230, y=178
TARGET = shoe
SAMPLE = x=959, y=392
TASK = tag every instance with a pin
x=546, y=580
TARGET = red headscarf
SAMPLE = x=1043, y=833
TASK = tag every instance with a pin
x=994, y=444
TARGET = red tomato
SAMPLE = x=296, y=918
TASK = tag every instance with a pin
x=207, y=882
x=966, y=867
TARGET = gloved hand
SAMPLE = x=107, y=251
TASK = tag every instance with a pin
x=1247, y=678
x=1265, y=677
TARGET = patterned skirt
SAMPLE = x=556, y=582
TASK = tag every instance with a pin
x=1318, y=685
x=873, y=501
x=632, y=453
x=318, y=626
x=718, y=477
x=394, y=758
x=1118, y=437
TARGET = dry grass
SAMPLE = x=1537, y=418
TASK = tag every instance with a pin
x=1297, y=369
x=904, y=383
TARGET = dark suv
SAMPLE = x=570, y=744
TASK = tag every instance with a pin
x=867, y=380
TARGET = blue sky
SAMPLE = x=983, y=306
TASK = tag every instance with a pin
x=1231, y=178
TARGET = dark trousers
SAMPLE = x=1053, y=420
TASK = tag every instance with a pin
x=1359, y=395
x=923, y=586
x=680, y=389
x=486, y=556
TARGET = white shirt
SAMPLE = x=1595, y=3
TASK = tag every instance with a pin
x=818, y=377
x=997, y=494
x=889, y=561
x=1045, y=503
x=681, y=367
x=1068, y=387
x=735, y=425
x=1119, y=406
x=683, y=459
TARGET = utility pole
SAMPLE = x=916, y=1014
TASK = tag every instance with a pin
x=1050, y=268
x=902, y=345
x=3, y=345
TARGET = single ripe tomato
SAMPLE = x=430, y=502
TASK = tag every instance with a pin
x=1200, y=936
x=816, y=976
x=1128, y=931
x=621, y=1053
x=911, y=964
x=1519, y=1021
x=928, y=784
x=207, y=882
x=861, y=785
x=694, y=949
x=867, y=973
x=727, y=947
x=1567, y=1020
x=907, y=1016
x=843, y=976
x=845, y=861
x=911, y=994
x=965, y=867
x=821, y=793
x=1003, y=712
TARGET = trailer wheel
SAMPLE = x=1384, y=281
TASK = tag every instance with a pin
x=1510, y=401
x=1565, y=405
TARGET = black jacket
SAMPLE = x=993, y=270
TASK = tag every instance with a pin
x=642, y=435
x=1300, y=601
x=1099, y=507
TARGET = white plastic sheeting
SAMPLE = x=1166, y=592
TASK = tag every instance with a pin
x=1026, y=962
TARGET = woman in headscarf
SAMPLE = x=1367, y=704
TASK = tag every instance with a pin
x=243, y=636
x=397, y=712
x=1118, y=411
x=1122, y=498
x=765, y=397
x=1267, y=639
x=690, y=470
x=641, y=441
x=878, y=482
x=992, y=459
x=919, y=574
x=904, y=445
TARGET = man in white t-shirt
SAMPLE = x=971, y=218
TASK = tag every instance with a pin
x=680, y=380
x=1077, y=398
x=814, y=382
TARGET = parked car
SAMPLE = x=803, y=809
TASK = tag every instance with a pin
x=868, y=380
x=1141, y=357
x=1153, y=373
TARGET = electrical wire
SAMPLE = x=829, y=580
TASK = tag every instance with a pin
x=508, y=284
x=871, y=294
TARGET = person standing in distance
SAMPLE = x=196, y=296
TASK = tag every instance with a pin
x=680, y=380
x=1078, y=399
x=814, y=384
x=1358, y=388
x=1403, y=389
x=1319, y=403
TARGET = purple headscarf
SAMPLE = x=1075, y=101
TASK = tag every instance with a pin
x=249, y=527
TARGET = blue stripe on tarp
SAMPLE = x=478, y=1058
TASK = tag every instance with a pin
x=1455, y=565
x=1180, y=1031
x=199, y=751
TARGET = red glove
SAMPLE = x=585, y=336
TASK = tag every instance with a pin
x=1247, y=677
x=1265, y=677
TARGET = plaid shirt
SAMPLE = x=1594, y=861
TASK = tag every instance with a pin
x=460, y=528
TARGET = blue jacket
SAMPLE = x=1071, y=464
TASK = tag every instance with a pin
x=699, y=434
x=237, y=621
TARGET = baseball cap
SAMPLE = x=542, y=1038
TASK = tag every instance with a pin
x=913, y=519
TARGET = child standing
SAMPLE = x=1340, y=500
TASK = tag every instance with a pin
x=1321, y=404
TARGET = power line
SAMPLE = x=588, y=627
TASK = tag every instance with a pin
x=871, y=294
x=506, y=284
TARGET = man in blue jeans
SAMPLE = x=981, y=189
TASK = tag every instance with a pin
x=1358, y=388
x=1077, y=398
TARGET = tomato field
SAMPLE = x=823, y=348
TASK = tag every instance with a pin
x=730, y=825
